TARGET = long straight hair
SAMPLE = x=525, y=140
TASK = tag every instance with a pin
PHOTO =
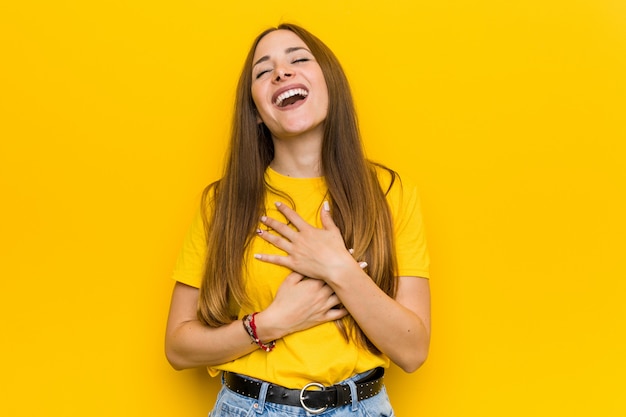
x=233, y=205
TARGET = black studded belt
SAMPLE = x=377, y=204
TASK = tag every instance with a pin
x=312, y=400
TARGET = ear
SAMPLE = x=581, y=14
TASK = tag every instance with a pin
x=258, y=118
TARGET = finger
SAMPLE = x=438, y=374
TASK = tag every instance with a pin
x=334, y=302
x=292, y=216
x=276, y=240
x=336, y=314
x=273, y=259
x=293, y=278
x=316, y=285
x=327, y=219
x=279, y=227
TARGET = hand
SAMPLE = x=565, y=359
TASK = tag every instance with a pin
x=311, y=251
x=300, y=303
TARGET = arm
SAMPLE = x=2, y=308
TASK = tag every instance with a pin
x=399, y=327
x=189, y=343
x=299, y=304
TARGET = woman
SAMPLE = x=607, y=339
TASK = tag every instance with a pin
x=306, y=270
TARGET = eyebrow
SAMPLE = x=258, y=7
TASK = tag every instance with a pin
x=287, y=51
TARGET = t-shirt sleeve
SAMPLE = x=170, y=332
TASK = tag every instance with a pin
x=189, y=267
x=411, y=248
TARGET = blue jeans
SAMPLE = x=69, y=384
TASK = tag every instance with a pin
x=231, y=404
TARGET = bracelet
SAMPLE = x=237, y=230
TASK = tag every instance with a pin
x=246, y=325
x=250, y=326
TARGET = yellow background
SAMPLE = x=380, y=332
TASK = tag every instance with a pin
x=509, y=114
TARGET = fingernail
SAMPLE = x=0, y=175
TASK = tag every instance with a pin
x=278, y=204
x=257, y=256
x=326, y=206
x=363, y=265
x=259, y=231
x=263, y=218
x=351, y=251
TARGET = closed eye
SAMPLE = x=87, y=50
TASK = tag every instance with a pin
x=260, y=74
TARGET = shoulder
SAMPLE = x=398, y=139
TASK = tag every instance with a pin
x=391, y=181
x=386, y=176
x=210, y=194
x=400, y=190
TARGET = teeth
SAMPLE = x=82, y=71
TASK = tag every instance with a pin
x=290, y=93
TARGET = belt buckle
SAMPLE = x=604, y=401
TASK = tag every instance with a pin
x=308, y=409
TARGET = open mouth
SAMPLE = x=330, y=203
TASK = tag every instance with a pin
x=290, y=97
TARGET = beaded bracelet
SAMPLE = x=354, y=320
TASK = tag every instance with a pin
x=250, y=326
x=246, y=325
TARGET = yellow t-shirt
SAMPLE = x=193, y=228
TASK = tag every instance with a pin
x=318, y=354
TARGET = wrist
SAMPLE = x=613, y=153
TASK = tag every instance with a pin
x=267, y=328
x=250, y=325
x=342, y=276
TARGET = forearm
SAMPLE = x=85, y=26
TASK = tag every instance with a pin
x=189, y=343
x=299, y=304
x=395, y=328
x=192, y=344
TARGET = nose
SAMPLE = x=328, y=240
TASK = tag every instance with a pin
x=283, y=74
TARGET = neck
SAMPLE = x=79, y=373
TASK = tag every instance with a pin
x=298, y=157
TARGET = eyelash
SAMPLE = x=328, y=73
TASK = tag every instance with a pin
x=295, y=61
x=260, y=74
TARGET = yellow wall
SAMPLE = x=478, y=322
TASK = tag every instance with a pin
x=509, y=114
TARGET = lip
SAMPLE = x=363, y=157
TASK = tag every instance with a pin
x=287, y=88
